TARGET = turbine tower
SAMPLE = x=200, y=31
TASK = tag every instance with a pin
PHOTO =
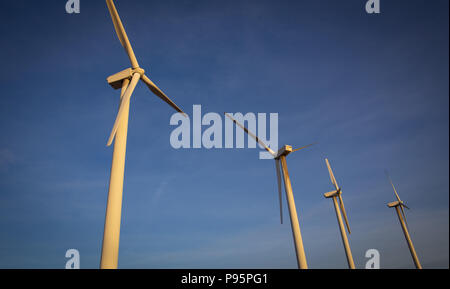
x=337, y=194
x=398, y=205
x=126, y=80
x=280, y=156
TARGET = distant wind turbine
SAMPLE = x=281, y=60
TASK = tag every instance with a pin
x=398, y=205
x=338, y=208
x=127, y=81
x=280, y=156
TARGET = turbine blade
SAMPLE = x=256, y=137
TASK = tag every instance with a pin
x=116, y=26
x=251, y=134
x=160, y=94
x=125, y=84
x=404, y=216
x=125, y=99
x=121, y=34
x=341, y=203
x=277, y=163
x=304, y=147
x=330, y=171
x=395, y=191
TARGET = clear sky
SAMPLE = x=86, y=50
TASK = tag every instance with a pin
x=371, y=89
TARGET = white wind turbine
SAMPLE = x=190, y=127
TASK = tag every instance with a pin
x=280, y=156
x=398, y=205
x=126, y=80
x=337, y=194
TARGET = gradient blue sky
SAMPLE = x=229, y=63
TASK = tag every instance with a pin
x=371, y=89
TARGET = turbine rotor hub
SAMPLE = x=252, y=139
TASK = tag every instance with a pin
x=139, y=70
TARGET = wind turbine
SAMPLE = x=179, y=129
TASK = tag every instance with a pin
x=127, y=81
x=337, y=194
x=398, y=205
x=280, y=156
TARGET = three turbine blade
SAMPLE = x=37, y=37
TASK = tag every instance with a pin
x=138, y=74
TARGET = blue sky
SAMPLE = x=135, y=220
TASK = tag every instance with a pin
x=371, y=89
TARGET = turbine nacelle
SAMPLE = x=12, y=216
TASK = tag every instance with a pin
x=287, y=149
x=397, y=203
x=284, y=151
x=117, y=79
x=394, y=204
x=332, y=194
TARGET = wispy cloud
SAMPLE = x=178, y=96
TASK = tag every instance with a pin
x=7, y=159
